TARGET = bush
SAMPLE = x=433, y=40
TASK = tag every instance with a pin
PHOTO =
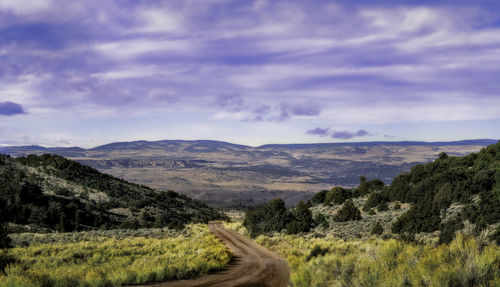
x=274, y=216
x=319, y=197
x=496, y=236
x=448, y=229
x=382, y=206
x=377, y=229
x=4, y=238
x=375, y=199
x=347, y=212
x=316, y=251
x=5, y=259
x=336, y=196
x=267, y=217
x=296, y=226
x=397, y=206
x=302, y=221
x=321, y=220
x=375, y=185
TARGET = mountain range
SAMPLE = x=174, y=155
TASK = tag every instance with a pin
x=226, y=174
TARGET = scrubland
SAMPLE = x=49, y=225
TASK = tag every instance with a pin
x=373, y=261
x=113, y=258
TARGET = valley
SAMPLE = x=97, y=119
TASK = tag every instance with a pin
x=229, y=175
x=441, y=215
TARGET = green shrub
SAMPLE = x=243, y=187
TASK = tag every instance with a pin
x=336, y=195
x=274, y=216
x=397, y=206
x=316, y=251
x=366, y=208
x=267, y=217
x=448, y=229
x=5, y=259
x=375, y=185
x=4, y=238
x=296, y=226
x=377, y=228
x=382, y=206
x=319, y=197
x=348, y=212
x=496, y=235
x=302, y=221
x=374, y=200
x=321, y=220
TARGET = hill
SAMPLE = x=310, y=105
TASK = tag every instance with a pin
x=52, y=192
x=435, y=199
x=472, y=181
x=226, y=174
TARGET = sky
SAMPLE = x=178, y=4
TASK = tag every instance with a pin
x=85, y=73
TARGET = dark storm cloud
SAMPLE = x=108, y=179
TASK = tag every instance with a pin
x=10, y=109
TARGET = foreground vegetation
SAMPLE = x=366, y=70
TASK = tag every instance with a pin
x=111, y=258
x=377, y=262
x=331, y=261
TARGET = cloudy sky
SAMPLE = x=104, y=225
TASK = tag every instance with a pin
x=252, y=72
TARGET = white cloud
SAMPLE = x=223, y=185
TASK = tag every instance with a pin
x=132, y=48
x=160, y=21
x=25, y=7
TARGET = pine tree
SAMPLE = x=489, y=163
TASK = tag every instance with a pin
x=348, y=212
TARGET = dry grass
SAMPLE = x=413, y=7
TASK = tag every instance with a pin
x=377, y=262
x=114, y=258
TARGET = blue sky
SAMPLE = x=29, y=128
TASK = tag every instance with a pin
x=252, y=72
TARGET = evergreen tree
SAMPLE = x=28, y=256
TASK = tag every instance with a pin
x=348, y=212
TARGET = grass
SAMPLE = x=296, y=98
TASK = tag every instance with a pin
x=377, y=262
x=109, y=260
x=331, y=261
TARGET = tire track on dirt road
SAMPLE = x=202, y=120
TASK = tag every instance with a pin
x=253, y=265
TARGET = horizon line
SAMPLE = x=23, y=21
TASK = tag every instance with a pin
x=256, y=146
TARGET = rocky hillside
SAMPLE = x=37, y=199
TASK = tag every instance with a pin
x=55, y=193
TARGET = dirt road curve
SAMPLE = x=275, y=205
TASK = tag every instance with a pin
x=254, y=265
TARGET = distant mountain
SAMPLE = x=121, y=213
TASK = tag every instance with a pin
x=222, y=173
x=481, y=142
x=53, y=192
x=217, y=146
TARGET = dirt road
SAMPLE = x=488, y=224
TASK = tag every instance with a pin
x=253, y=266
